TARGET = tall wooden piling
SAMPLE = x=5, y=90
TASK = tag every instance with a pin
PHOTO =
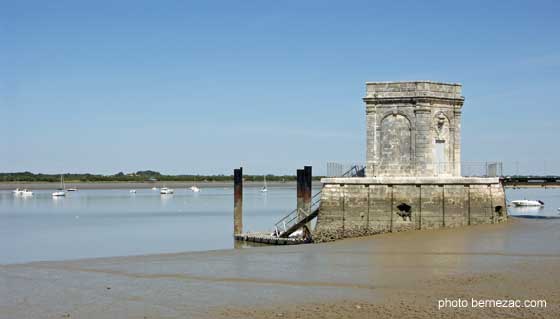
x=300, y=185
x=307, y=180
x=307, y=185
x=238, y=201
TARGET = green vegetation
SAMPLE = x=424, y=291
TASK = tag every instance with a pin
x=140, y=176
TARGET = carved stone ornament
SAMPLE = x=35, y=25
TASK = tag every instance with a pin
x=439, y=126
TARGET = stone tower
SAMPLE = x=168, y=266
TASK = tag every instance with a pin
x=413, y=173
x=413, y=129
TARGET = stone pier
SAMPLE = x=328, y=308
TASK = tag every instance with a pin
x=353, y=207
x=413, y=168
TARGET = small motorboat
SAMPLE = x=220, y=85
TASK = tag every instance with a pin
x=17, y=191
x=525, y=203
x=166, y=191
x=195, y=189
x=154, y=188
x=71, y=189
x=26, y=192
x=133, y=191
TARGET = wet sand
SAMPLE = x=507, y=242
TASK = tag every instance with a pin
x=398, y=275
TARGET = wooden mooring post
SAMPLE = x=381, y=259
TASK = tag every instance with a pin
x=300, y=185
x=303, y=209
x=307, y=180
x=238, y=201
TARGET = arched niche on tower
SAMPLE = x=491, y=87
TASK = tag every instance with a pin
x=395, y=143
x=442, y=144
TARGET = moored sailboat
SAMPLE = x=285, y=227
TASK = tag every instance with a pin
x=194, y=188
x=264, y=189
x=61, y=192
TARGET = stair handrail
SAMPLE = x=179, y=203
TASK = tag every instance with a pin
x=286, y=221
x=296, y=215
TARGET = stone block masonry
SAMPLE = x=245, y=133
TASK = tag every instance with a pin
x=354, y=207
x=413, y=128
x=413, y=168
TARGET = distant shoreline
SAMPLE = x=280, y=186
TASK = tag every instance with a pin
x=137, y=185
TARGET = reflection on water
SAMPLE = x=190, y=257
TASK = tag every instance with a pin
x=550, y=197
x=96, y=223
x=528, y=210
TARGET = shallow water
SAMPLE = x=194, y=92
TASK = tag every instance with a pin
x=550, y=197
x=103, y=223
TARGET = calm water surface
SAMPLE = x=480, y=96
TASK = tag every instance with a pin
x=550, y=197
x=102, y=223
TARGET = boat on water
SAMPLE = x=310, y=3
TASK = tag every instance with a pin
x=133, y=191
x=264, y=189
x=166, y=191
x=71, y=189
x=194, y=188
x=527, y=211
x=154, y=188
x=22, y=192
x=60, y=192
x=526, y=203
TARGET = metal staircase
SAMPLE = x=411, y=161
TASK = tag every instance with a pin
x=296, y=219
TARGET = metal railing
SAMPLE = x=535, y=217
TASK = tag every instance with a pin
x=467, y=169
x=294, y=217
x=345, y=170
x=293, y=220
x=490, y=168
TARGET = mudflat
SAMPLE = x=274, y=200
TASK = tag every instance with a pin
x=399, y=275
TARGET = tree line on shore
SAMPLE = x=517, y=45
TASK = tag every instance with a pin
x=140, y=176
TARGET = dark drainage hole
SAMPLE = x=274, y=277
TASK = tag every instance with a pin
x=405, y=211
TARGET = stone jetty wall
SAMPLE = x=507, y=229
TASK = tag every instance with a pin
x=353, y=207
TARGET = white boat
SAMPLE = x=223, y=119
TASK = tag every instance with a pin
x=22, y=192
x=194, y=188
x=264, y=189
x=525, y=203
x=133, y=191
x=165, y=191
x=154, y=188
x=71, y=189
x=61, y=192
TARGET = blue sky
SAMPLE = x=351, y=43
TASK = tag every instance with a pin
x=206, y=86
